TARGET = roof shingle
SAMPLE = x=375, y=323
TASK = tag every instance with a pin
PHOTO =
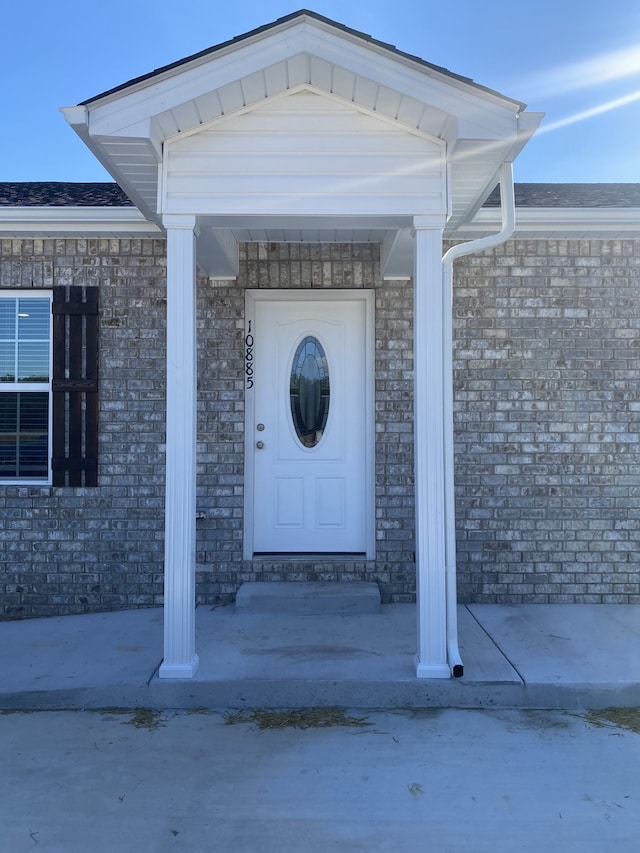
x=571, y=195
x=61, y=194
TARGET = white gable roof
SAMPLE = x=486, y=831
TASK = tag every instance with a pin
x=130, y=128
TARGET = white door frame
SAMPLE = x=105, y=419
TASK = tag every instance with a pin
x=252, y=297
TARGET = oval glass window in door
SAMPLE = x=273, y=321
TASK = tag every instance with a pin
x=309, y=391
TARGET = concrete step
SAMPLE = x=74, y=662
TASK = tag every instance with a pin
x=309, y=599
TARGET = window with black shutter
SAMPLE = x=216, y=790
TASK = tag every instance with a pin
x=49, y=386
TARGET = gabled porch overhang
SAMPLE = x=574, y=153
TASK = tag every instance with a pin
x=305, y=131
x=131, y=128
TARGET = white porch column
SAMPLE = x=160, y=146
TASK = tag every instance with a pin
x=431, y=657
x=180, y=658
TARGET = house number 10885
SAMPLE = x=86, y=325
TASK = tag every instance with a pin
x=248, y=356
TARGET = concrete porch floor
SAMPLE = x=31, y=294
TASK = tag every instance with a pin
x=527, y=656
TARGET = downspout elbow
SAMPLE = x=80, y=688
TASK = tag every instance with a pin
x=508, y=211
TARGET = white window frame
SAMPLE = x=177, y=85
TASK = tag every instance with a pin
x=32, y=387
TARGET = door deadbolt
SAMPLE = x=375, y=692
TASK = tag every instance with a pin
x=259, y=444
x=260, y=427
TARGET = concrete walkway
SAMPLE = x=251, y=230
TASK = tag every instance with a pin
x=528, y=657
x=426, y=781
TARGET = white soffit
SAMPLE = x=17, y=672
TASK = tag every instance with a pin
x=126, y=128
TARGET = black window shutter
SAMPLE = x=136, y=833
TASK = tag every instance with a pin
x=75, y=386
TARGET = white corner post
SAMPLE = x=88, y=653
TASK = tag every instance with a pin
x=180, y=658
x=429, y=339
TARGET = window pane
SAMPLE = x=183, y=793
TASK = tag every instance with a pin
x=7, y=361
x=7, y=319
x=33, y=319
x=24, y=420
x=309, y=391
x=33, y=361
x=24, y=339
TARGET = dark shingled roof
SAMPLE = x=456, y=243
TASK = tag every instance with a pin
x=61, y=194
x=572, y=195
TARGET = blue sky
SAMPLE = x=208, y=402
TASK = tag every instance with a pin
x=576, y=60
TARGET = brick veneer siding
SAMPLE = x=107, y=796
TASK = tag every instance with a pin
x=74, y=550
x=547, y=415
x=546, y=405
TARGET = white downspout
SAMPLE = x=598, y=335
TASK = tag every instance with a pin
x=508, y=208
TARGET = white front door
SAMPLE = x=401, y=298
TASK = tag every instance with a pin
x=309, y=413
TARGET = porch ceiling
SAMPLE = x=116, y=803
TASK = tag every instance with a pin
x=216, y=246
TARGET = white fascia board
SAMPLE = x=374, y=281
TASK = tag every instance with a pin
x=116, y=112
x=235, y=60
x=76, y=116
x=367, y=56
x=424, y=84
x=558, y=221
x=53, y=220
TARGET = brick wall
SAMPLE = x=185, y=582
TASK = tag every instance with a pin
x=547, y=414
x=74, y=550
x=77, y=550
x=547, y=403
